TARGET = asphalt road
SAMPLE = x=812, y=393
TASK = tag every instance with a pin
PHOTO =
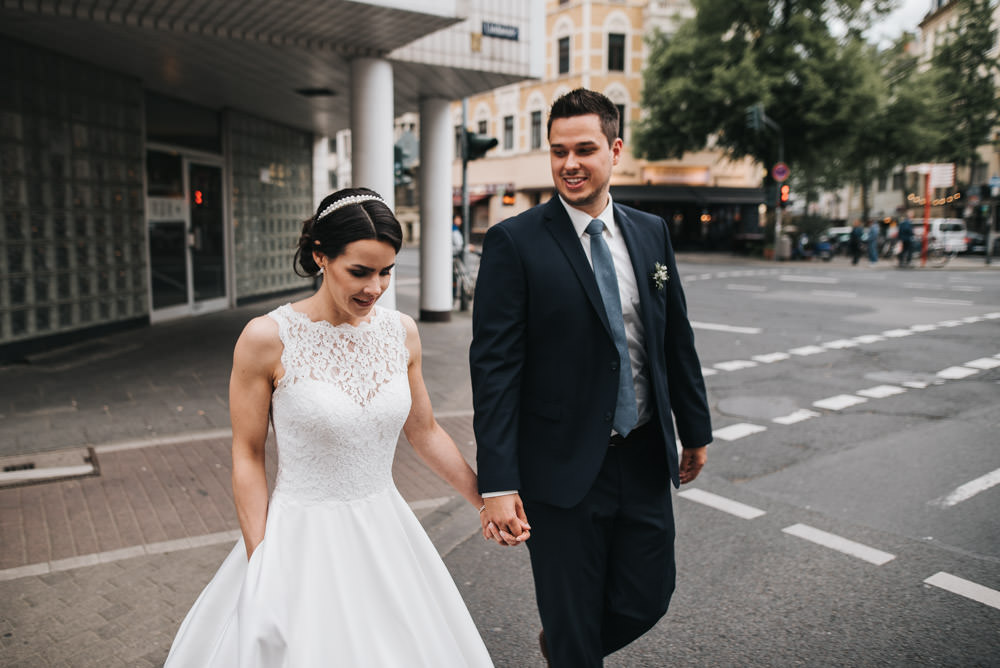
x=894, y=473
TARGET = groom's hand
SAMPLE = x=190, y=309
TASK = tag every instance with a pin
x=692, y=461
x=507, y=523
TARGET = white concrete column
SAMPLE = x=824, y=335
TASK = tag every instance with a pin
x=372, y=136
x=437, y=151
x=321, y=169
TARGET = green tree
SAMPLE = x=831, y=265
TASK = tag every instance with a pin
x=965, y=72
x=781, y=54
x=900, y=126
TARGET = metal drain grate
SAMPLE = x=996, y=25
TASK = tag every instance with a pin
x=50, y=466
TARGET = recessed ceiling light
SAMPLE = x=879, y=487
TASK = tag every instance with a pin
x=315, y=92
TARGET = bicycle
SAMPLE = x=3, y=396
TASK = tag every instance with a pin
x=463, y=285
x=938, y=254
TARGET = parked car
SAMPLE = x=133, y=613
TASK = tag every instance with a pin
x=838, y=238
x=949, y=232
x=976, y=243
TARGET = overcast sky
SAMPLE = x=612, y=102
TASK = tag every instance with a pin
x=905, y=18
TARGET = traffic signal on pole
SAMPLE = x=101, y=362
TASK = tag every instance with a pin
x=477, y=145
x=785, y=191
x=754, y=117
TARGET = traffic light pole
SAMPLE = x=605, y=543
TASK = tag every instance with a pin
x=756, y=117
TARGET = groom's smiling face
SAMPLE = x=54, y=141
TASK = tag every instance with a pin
x=582, y=160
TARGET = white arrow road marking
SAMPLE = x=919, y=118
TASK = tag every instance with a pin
x=957, y=585
x=835, y=542
x=721, y=503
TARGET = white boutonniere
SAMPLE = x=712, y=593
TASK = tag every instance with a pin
x=660, y=276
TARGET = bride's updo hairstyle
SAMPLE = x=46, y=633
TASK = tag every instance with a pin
x=346, y=216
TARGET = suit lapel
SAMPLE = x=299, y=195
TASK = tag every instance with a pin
x=558, y=224
x=638, y=248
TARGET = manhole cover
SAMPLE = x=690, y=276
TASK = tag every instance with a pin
x=48, y=466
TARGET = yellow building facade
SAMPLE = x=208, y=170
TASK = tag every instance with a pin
x=710, y=200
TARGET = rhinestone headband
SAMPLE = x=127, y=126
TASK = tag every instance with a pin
x=347, y=201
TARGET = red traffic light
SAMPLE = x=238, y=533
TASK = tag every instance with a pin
x=785, y=190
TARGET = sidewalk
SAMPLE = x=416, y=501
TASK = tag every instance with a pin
x=100, y=569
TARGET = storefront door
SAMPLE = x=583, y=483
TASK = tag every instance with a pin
x=186, y=219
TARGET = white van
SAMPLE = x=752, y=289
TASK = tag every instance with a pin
x=948, y=232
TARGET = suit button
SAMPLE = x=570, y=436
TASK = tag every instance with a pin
x=614, y=366
x=607, y=417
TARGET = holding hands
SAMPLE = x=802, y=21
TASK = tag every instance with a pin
x=503, y=520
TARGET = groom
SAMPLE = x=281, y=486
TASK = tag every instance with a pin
x=581, y=351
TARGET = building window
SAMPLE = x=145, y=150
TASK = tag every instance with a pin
x=508, y=133
x=482, y=128
x=536, y=129
x=616, y=52
x=621, y=120
x=899, y=181
x=564, y=55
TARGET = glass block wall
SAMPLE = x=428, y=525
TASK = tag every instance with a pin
x=272, y=195
x=72, y=239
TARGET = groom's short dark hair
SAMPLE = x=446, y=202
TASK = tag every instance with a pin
x=581, y=102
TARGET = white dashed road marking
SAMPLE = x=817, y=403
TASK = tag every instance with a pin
x=740, y=287
x=969, y=490
x=945, y=302
x=956, y=372
x=839, y=402
x=726, y=328
x=770, y=357
x=897, y=333
x=798, y=416
x=838, y=294
x=834, y=542
x=735, y=365
x=983, y=363
x=869, y=338
x=957, y=585
x=807, y=350
x=840, y=344
x=737, y=431
x=808, y=279
x=722, y=503
x=881, y=391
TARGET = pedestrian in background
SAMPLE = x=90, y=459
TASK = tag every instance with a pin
x=855, y=241
x=582, y=357
x=906, y=239
x=872, y=240
x=333, y=568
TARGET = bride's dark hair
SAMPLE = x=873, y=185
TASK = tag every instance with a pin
x=329, y=233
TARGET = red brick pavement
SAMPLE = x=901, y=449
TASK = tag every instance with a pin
x=146, y=497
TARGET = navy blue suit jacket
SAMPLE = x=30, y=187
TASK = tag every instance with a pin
x=543, y=361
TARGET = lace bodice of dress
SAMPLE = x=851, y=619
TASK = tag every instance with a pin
x=339, y=407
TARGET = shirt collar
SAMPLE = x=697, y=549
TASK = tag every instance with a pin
x=581, y=219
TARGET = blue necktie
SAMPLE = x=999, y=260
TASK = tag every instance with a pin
x=626, y=410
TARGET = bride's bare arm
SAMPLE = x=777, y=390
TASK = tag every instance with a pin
x=255, y=363
x=429, y=439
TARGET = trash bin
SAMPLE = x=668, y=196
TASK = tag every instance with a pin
x=784, y=247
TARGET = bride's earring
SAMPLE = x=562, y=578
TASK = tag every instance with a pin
x=321, y=270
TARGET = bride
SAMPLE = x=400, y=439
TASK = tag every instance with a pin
x=333, y=569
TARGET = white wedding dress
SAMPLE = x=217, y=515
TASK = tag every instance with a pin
x=345, y=575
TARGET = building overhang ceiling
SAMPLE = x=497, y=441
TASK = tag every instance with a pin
x=289, y=62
